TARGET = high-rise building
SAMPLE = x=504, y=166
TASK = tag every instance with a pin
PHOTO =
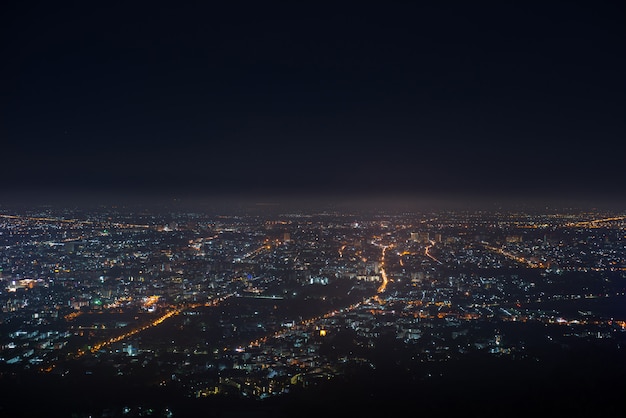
x=421, y=236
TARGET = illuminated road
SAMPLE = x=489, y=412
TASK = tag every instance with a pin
x=383, y=273
x=96, y=347
x=427, y=252
x=514, y=257
x=256, y=252
x=76, y=221
x=33, y=218
x=594, y=223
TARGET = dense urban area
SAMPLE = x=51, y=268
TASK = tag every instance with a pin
x=131, y=311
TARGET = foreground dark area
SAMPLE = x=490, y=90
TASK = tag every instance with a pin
x=574, y=381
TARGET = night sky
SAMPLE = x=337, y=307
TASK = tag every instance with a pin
x=408, y=98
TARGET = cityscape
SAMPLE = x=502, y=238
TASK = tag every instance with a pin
x=272, y=209
x=117, y=310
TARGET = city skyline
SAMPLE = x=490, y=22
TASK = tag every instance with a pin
x=495, y=100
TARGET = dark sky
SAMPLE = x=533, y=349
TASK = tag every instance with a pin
x=417, y=98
